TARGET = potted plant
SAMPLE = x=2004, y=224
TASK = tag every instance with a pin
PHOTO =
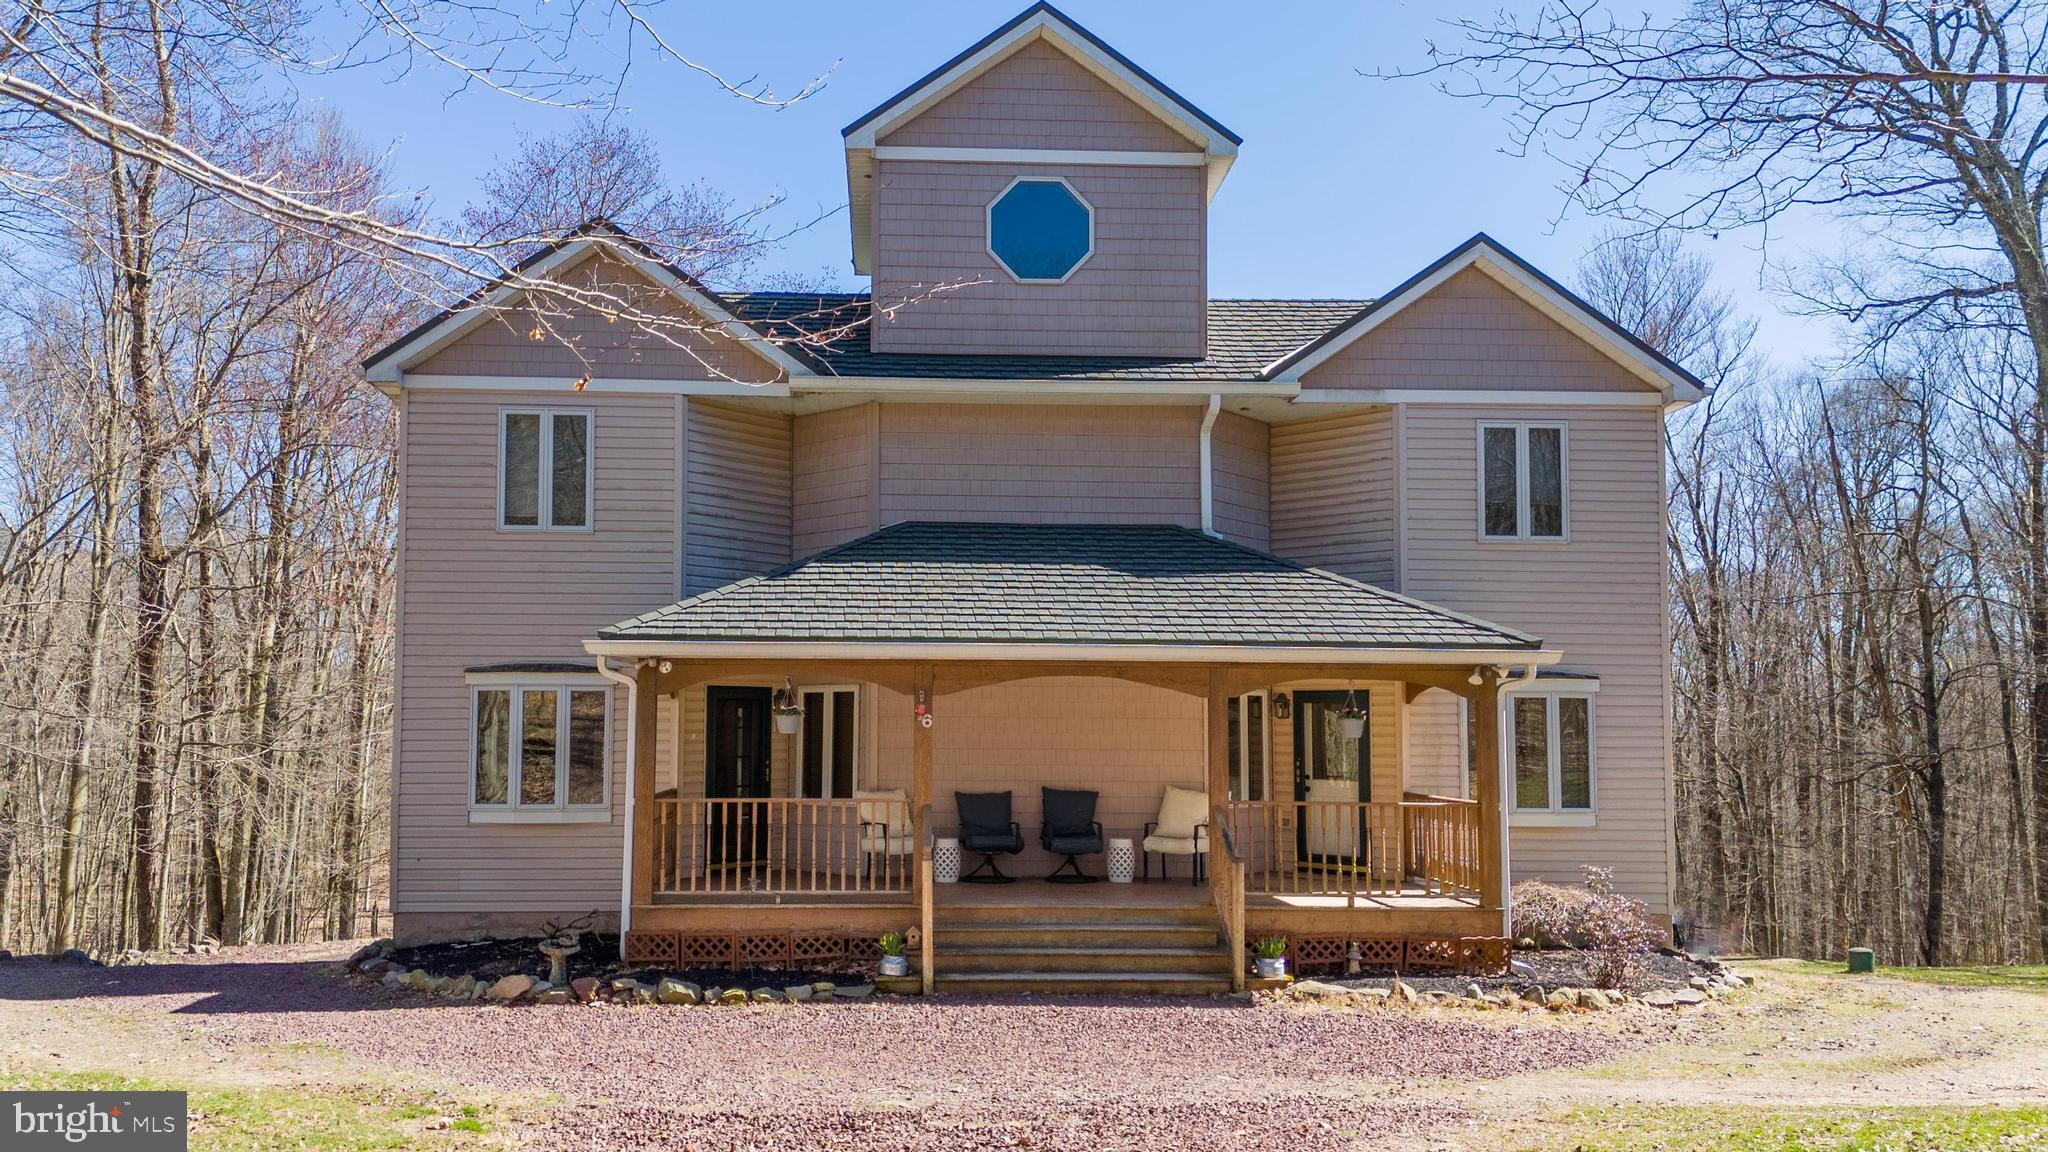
x=1351, y=717
x=894, y=962
x=788, y=711
x=1271, y=957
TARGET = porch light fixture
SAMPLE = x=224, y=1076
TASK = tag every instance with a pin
x=1283, y=706
x=1476, y=678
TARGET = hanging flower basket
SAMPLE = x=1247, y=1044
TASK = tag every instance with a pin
x=1351, y=717
x=787, y=711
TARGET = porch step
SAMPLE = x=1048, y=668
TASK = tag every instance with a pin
x=1049, y=910
x=1081, y=983
x=1072, y=959
x=1091, y=934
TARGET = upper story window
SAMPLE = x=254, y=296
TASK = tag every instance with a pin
x=1522, y=481
x=538, y=749
x=544, y=468
x=1040, y=230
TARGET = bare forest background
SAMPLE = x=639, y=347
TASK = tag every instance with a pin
x=197, y=491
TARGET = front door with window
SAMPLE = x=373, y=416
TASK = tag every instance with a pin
x=1330, y=768
x=736, y=767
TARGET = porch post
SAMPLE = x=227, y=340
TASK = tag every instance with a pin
x=645, y=722
x=1485, y=712
x=920, y=806
x=1219, y=770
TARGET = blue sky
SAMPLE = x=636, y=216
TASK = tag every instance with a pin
x=1345, y=185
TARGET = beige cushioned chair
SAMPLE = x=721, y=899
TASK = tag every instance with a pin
x=1181, y=830
x=885, y=828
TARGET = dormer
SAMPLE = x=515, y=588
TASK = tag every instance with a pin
x=1038, y=194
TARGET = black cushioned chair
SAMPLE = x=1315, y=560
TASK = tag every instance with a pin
x=986, y=827
x=1070, y=830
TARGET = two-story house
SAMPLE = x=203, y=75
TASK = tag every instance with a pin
x=761, y=639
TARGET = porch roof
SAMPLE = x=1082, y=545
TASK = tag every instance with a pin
x=1054, y=588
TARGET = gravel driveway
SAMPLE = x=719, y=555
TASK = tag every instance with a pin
x=955, y=1074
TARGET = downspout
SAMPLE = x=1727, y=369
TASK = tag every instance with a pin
x=1505, y=780
x=632, y=687
x=1208, y=459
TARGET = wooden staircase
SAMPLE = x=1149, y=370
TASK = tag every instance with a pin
x=1079, y=949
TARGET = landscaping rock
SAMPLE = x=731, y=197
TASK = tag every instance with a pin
x=1371, y=995
x=1317, y=990
x=367, y=952
x=853, y=991
x=733, y=996
x=674, y=991
x=1403, y=993
x=626, y=990
x=766, y=996
x=1560, y=1000
x=463, y=987
x=420, y=979
x=1675, y=998
x=556, y=996
x=395, y=978
x=585, y=988
x=511, y=987
x=1595, y=999
x=797, y=993
x=1474, y=992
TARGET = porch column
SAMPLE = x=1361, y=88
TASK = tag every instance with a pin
x=647, y=710
x=1485, y=711
x=1219, y=770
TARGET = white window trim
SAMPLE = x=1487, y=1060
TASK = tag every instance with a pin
x=1265, y=738
x=988, y=228
x=1564, y=481
x=512, y=811
x=546, y=473
x=1554, y=815
x=796, y=781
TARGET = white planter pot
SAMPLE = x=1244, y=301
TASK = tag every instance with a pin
x=786, y=722
x=895, y=965
x=1271, y=967
x=1354, y=726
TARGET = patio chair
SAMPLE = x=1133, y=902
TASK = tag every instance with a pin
x=1069, y=829
x=884, y=827
x=1181, y=830
x=986, y=827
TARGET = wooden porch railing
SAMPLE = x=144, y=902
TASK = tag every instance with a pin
x=1350, y=849
x=713, y=847
x=1226, y=883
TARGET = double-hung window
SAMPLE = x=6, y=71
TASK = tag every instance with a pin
x=1550, y=740
x=539, y=750
x=828, y=742
x=1522, y=481
x=544, y=468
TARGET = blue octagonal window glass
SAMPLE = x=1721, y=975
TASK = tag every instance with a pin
x=1039, y=229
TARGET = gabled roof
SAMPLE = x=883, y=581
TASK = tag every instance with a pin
x=1244, y=337
x=1045, y=590
x=1523, y=279
x=590, y=238
x=1217, y=144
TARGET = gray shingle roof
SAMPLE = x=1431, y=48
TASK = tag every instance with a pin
x=925, y=582
x=1244, y=337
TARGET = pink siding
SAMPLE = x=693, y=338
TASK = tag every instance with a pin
x=575, y=341
x=475, y=595
x=834, y=482
x=1472, y=333
x=1239, y=459
x=1333, y=494
x=736, y=514
x=1600, y=598
x=1434, y=744
x=1038, y=97
x=1140, y=294
x=1075, y=463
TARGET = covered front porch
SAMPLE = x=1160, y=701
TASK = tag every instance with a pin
x=1333, y=780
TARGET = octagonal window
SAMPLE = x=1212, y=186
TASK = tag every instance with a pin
x=1040, y=230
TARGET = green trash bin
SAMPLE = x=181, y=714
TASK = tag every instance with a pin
x=1862, y=960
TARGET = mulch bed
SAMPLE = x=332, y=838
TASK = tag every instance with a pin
x=492, y=959
x=1554, y=968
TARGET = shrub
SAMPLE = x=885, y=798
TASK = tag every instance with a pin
x=1614, y=930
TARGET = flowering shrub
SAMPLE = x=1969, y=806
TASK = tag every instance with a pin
x=1613, y=929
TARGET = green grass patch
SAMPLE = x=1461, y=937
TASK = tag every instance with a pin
x=315, y=1118
x=2029, y=977
x=1633, y=1128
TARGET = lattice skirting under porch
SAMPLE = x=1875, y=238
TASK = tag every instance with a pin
x=750, y=949
x=1330, y=955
